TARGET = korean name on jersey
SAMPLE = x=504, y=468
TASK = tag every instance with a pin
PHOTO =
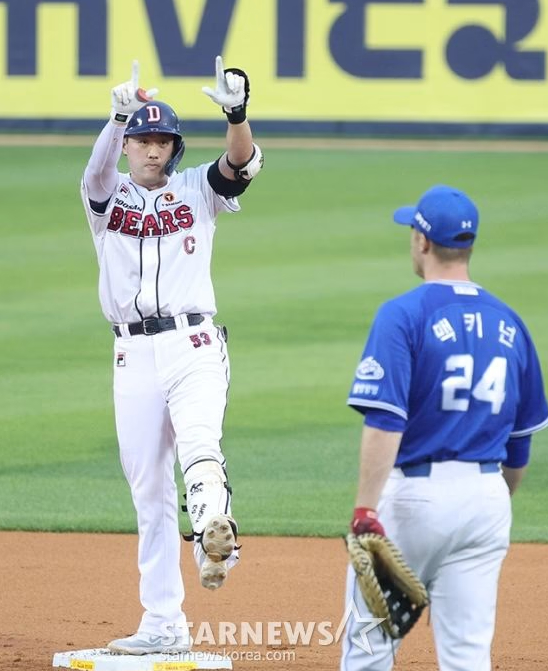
x=473, y=364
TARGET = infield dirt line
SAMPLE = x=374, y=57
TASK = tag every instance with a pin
x=356, y=144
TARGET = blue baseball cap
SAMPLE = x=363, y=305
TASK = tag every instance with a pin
x=445, y=215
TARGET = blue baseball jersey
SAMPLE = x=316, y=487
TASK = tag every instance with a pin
x=458, y=366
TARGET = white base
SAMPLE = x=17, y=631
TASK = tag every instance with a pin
x=101, y=659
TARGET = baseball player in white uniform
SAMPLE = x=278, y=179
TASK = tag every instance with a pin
x=153, y=232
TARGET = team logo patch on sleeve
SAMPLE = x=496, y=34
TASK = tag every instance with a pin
x=369, y=369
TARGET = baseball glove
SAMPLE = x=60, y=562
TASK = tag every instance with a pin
x=390, y=588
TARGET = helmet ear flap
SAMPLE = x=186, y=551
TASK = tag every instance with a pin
x=178, y=151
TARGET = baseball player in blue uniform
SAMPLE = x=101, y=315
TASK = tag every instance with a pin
x=451, y=389
x=153, y=231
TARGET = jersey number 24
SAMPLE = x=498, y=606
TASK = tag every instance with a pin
x=490, y=388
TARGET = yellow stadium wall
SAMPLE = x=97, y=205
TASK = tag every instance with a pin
x=324, y=65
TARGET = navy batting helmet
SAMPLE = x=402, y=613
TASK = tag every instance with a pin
x=157, y=117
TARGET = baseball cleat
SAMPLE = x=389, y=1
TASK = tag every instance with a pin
x=219, y=538
x=218, y=542
x=213, y=574
x=146, y=644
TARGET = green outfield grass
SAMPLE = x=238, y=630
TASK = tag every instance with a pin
x=299, y=275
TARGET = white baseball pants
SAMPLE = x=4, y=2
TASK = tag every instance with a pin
x=453, y=529
x=170, y=396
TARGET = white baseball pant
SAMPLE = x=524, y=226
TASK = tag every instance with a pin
x=170, y=396
x=453, y=529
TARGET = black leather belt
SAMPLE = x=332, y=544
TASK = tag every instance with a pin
x=154, y=325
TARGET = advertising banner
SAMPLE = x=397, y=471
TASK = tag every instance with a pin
x=346, y=61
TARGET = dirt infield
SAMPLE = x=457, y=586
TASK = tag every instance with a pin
x=64, y=592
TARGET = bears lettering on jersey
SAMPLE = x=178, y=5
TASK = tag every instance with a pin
x=128, y=220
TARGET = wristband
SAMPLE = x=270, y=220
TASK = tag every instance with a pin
x=366, y=521
x=236, y=115
x=119, y=117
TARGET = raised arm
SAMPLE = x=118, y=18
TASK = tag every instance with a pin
x=101, y=173
x=243, y=159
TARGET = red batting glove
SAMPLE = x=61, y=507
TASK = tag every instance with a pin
x=366, y=521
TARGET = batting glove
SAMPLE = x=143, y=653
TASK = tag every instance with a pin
x=231, y=92
x=128, y=97
x=366, y=521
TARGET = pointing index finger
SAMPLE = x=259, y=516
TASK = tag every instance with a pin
x=135, y=74
x=219, y=69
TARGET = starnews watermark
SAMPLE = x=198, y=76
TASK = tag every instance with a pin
x=285, y=656
x=240, y=640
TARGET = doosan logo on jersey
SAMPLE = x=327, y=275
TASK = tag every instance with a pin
x=126, y=206
x=128, y=221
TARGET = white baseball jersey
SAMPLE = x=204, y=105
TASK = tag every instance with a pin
x=154, y=247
